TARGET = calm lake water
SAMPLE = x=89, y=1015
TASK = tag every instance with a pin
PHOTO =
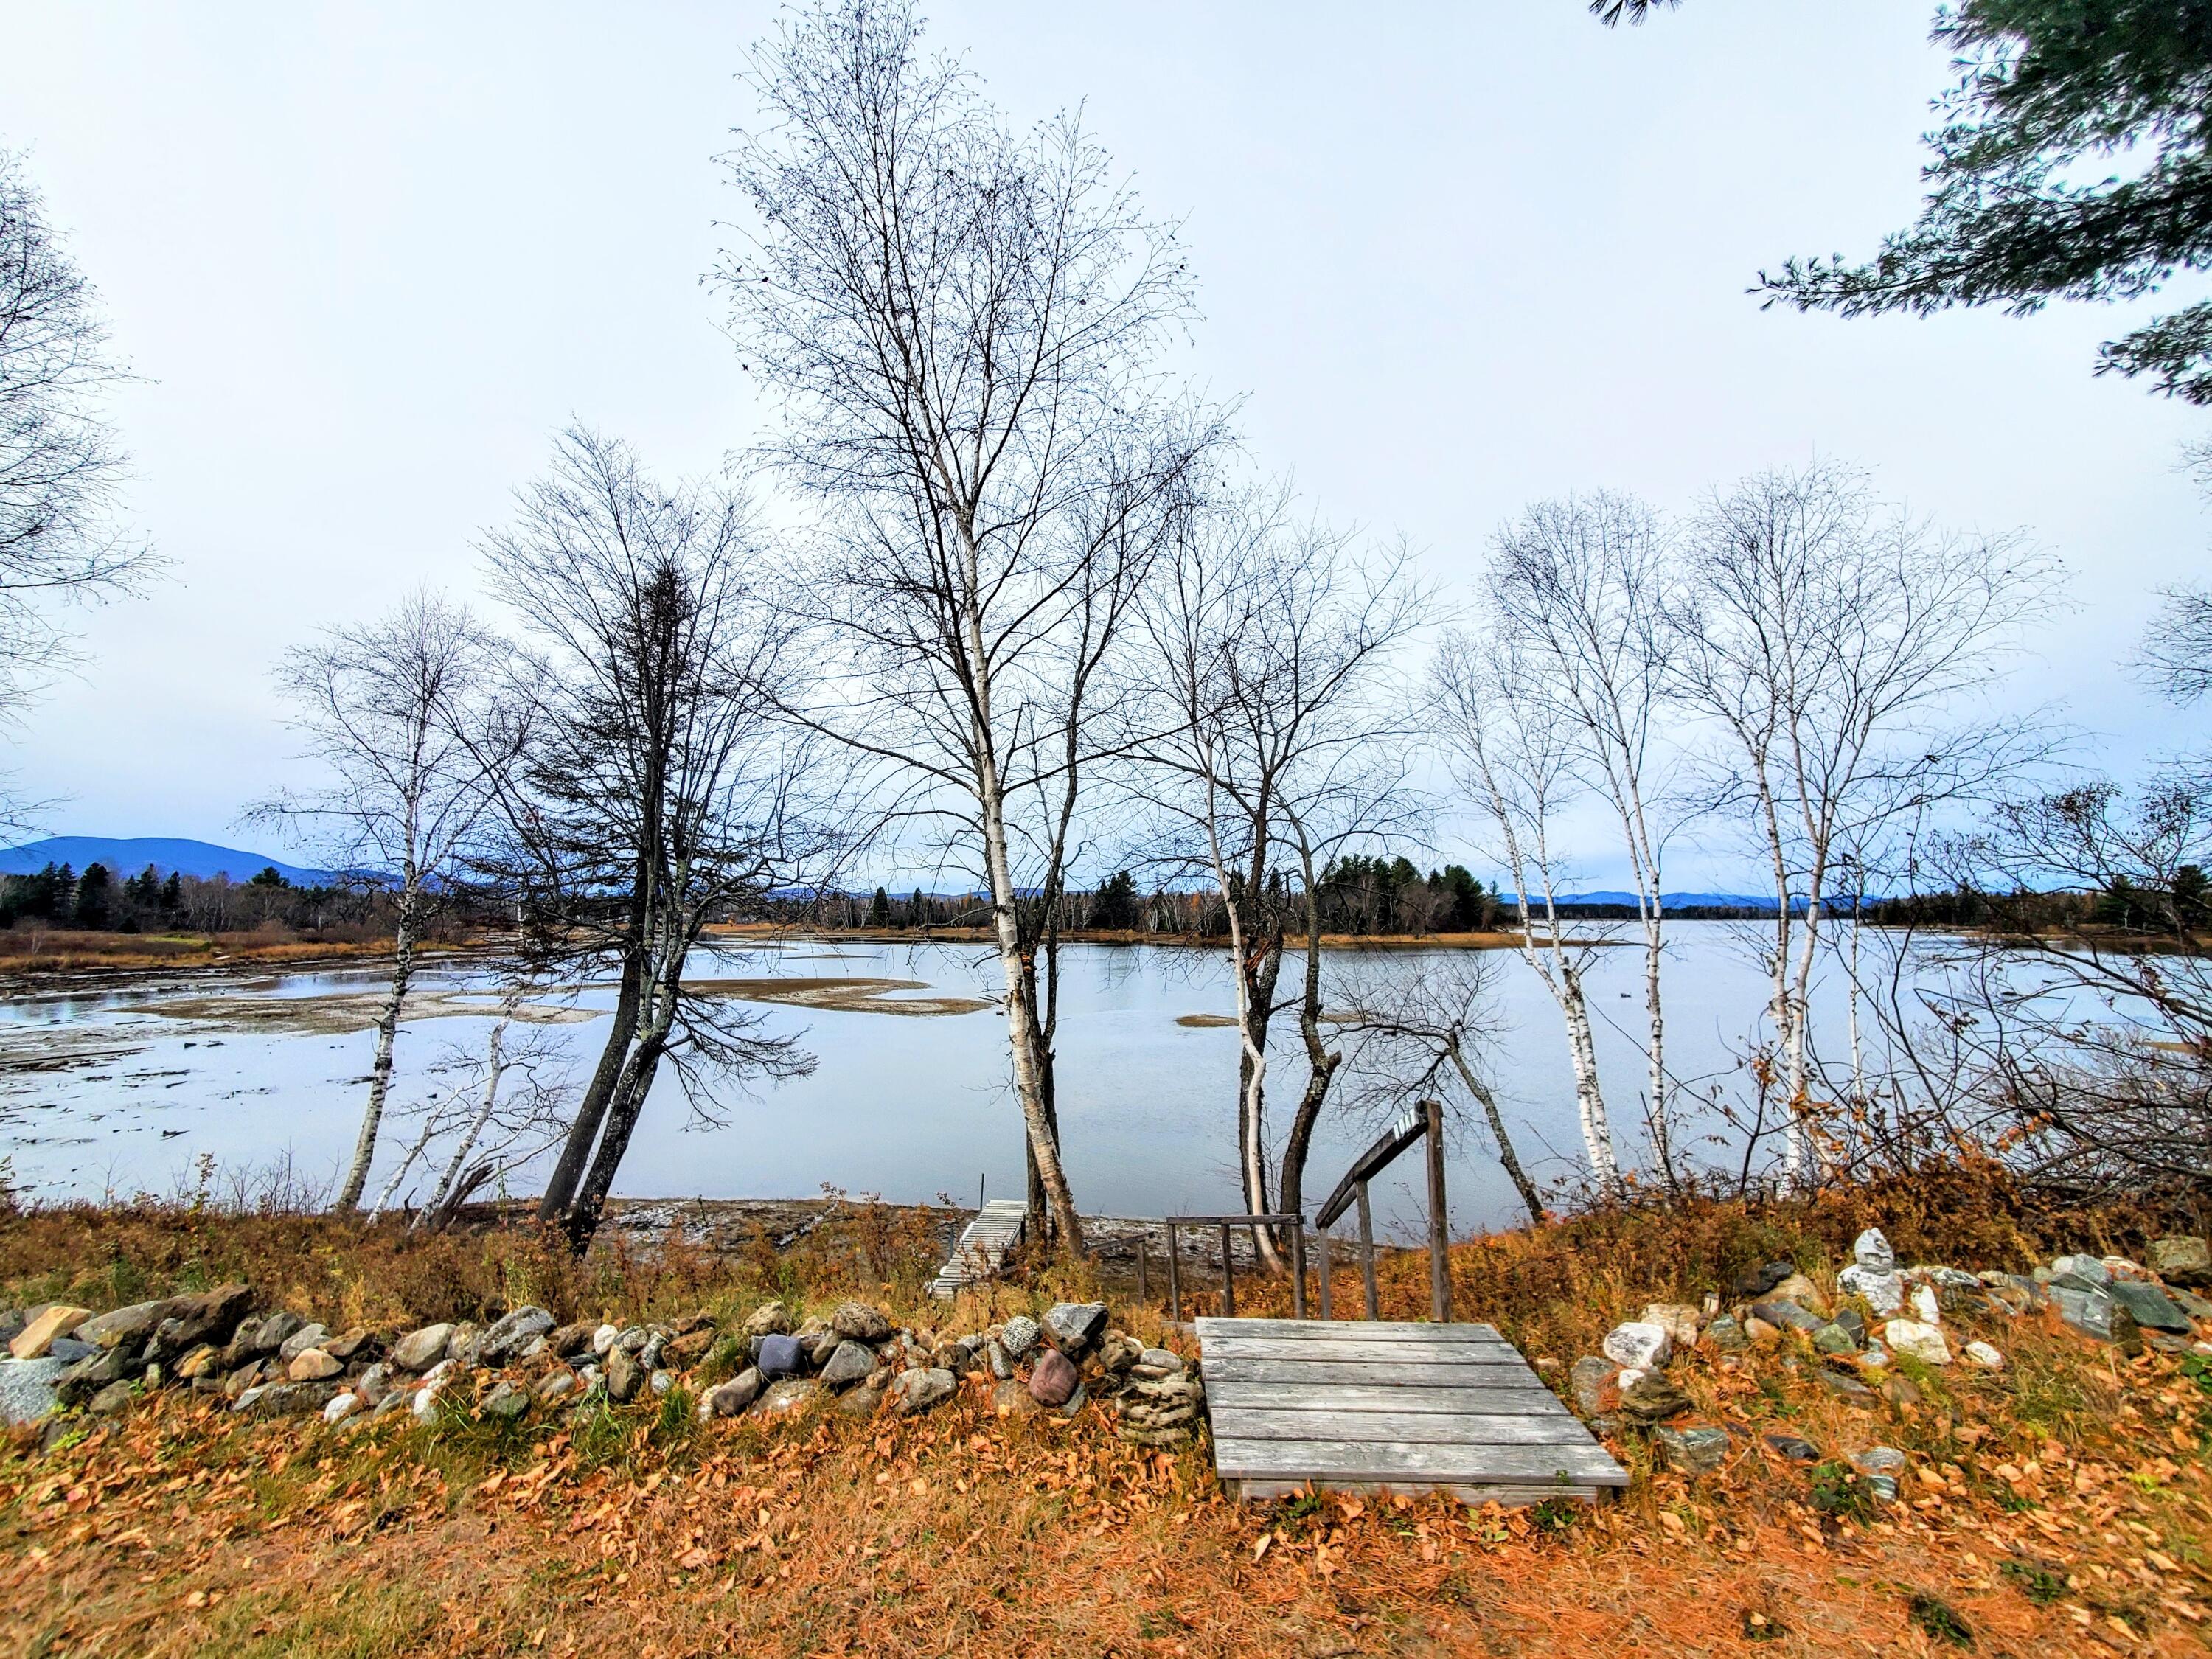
x=103, y=1093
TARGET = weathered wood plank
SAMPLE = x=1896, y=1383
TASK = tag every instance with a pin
x=1321, y=1460
x=1396, y=1429
x=1511, y=1495
x=1369, y=1353
x=1403, y=1373
x=1531, y=1399
x=1349, y=1330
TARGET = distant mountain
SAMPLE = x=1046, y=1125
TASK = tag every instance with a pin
x=128, y=855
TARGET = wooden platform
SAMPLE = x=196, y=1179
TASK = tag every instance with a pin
x=1346, y=1406
x=982, y=1247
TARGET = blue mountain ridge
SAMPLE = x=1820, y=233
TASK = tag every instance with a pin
x=128, y=855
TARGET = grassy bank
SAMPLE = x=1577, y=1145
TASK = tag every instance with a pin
x=2060, y=1505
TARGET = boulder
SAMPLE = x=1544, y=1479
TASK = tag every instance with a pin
x=506, y=1403
x=792, y=1394
x=769, y=1319
x=512, y=1333
x=781, y=1357
x=210, y=1316
x=124, y=1326
x=625, y=1377
x=312, y=1365
x=860, y=1322
x=729, y=1398
x=1870, y=1250
x=27, y=1388
x=1019, y=1334
x=2154, y=1309
x=38, y=1335
x=1073, y=1326
x=306, y=1337
x=850, y=1362
x=1054, y=1380
x=1917, y=1341
x=1638, y=1344
x=2089, y=1311
x=419, y=1350
x=1883, y=1292
x=1693, y=1451
x=924, y=1390
x=1801, y=1291
x=2182, y=1260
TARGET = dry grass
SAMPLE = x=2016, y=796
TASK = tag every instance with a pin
x=2061, y=1506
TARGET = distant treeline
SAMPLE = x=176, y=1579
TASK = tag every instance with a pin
x=149, y=903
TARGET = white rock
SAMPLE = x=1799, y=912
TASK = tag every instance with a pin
x=1925, y=1308
x=1873, y=1353
x=1638, y=1345
x=1917, y=1341
x=1629, y=1377
x=426, y=1402
x=1678, y=1320
x=1884, y=1292
x=604, y=1338
x=1871, y=1251
x=342, y=1406
x=1985, y=1356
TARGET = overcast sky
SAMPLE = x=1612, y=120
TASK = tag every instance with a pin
x=1456, y=257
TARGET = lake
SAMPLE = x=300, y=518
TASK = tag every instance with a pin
x=124, y=1090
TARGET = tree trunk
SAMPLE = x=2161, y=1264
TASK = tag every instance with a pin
x=387, y=1030
x=625, y=1107
x=1506, y=1155
x=584, y=1129
x=1590, y=1100
x=496, y=1062
x=1321, y=1063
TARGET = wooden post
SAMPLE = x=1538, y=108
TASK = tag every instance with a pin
x=1144, y=1250
x=1367, y=1254
x=1228, y=1278
x=1298, y=1268
x=1174, y=1277
x=1321, y=1260
x=1439, y=1222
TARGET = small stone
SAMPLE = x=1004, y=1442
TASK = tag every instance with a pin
x=2182, y=1260
x=508, y=1336
x=1154, y=1363
x=1883, y=1293
x=113, y=1400
x=769, y=1319
x=1982, y=1354
x=2089, y=1268
x=792, y=1394
x=860, y=1322
x=419, y=1350
x=1677, y=1319
x=1073, y=1326
x=781, y=1357
x=1019, y=1334
x=306, y=1337
x=1801, y=1291
x=661, y=1383
x=342, y=1406
x=1846, y=1387
x=425, y=1402
x=624, y=1376
x=27, y=1388
x=312, y=1365
x=1638, y=1344
x=924, y=1390
x=1880, y=1459
x=557, y=1385
x=1726, y=1335
x=1651, y=1399
x=1054, y=1379
x=1871, y=1251
x=355, y=1344
x=1693, y=1451
x=998, y=1361
x=1917, y=1341
x=40, y=1335
x=604, y=1339
x=1835, y=1339
x=506, y=1403
x=1795, y=1448
x=847, y=1365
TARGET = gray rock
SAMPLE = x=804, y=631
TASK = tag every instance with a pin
x=1073, y=1327
x=2182, y=1260
x=267, y=1334
x=1019, y=1334
x=354, y=1343
x=2087, y=1312
x=419, y=1350
x=461, y=1346
x=661, y=1383
x=648, y=1357
x=1693, y=1451
x=1726, y=1335
x=1834, y=1338
x=625, y=1377
x=924, y=1390
x=1880, y=1459
x=1154, y=1363
x=2189, y=1303
x=96, y=1370
x=998, y=1361
x=374, y=1384
x=306, y=1337
x=850, y=1362
x=286, y=1398
x=1636, y=1345
x=343, y=1406
x=1795, y=1448
x=510, y=1335
x=506, y=1403
x=69, y=1348
x=1787, y=1316
x=2152, y=1308
x=557, y=1385
x=1652, y=1399
x=781, y=1357
x=602, y=1340
x=210, y=1316
x=2089, y=1269
x=792, y=1394
x=1595, y=1383
x=113, y=1400
x=133, y=1324
x=860, y=1322
x=729, y=1398
x=1871, y=1251
x=1074, y=1402
x=1884, y=1292
x=769, y=1319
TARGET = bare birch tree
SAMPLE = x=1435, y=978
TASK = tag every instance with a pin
x=1273, y=737
x=656, y=789
x=1515, y=754
x=1583, y=582
x=395, y=710
x=1838, y=647
x=964, y=326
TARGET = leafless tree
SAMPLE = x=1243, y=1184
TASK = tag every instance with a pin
x=1837, y=648
x=1272, y=737
x=656, y=789
x=1517, y=756
x=1581, y=583
x=61, y=468
x=965, y=327
x=395, y=711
